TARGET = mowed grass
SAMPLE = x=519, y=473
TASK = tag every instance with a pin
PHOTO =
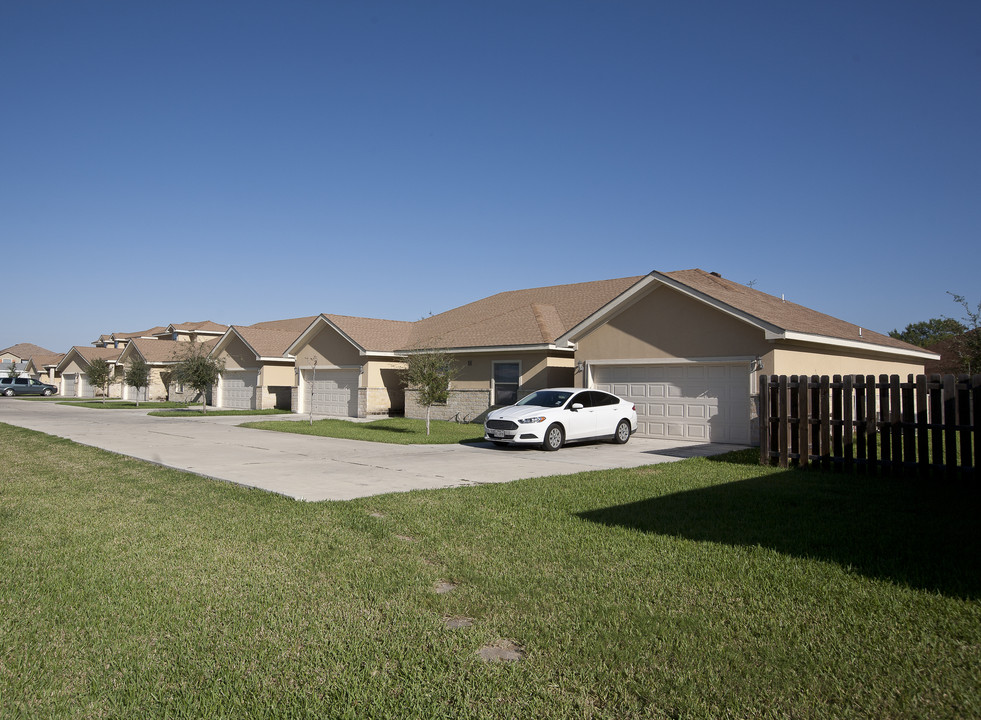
x=122, y=404
x=193, y=411
x=697, y=589
x=397, y=430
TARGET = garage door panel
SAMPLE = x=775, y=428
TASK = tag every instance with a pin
x=238, y=390
x=693, y=401
x=335, y=392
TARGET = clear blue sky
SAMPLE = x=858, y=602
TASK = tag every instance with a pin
x=242, y=161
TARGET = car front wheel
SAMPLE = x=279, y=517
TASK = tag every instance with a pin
x=46, y=393
x=554, y=437
x=622, y=433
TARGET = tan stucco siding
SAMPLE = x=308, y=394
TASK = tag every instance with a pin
x=281, y=375
x=809, y=360
x=74, y=367
x=384, y=390
x=329, y=349
x=237, y=356
x=668, y=324
x=539, y=369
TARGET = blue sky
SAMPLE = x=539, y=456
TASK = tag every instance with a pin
x=245, y=161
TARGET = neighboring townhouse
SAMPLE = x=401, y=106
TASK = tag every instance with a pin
x=259, y=374
x=350, y=366
x=22, y=352
x=192, y=332
x=70, y=372
x=161, y=356
x=15, y=368
x=119, y=340
x=504, y=345
x=42, y=366
x=688, y=348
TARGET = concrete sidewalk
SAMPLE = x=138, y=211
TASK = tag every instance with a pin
x=313, y=468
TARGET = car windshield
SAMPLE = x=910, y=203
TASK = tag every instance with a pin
x=546, y=398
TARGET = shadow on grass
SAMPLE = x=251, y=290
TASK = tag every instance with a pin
x=919, y=534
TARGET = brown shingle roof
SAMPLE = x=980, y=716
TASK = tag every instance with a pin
x=297, y=325
x=787, y=316
x=202, y=326
x=535, y=316
x=372, y=333
x=91, y=353
x=25, y=351
x=267, y=343
x=165, y=351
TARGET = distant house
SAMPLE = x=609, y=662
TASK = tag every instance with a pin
x=71, y=372
x=259, y=374
x=161, y=356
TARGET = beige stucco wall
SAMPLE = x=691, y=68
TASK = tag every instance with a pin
x=237, y=356
x=329, y=349
x=539, y=369
x=801, y=359
x=667, y=324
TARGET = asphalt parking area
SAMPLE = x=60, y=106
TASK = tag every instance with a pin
x=312, y=468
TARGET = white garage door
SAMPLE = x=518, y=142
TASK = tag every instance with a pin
x=68, y=385
x=85, y=389
x=695, y=401
x=238, y=389
x=335, y=392
x=133, y=394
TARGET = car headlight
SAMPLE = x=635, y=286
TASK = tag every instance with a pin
x=529, y=421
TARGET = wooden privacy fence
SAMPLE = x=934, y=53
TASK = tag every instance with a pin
x=924, y=424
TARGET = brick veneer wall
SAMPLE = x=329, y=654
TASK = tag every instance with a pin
x=462, y=406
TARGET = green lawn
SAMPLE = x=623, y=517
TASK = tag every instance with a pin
x=122, y=404
x=195, y=411
x=697, y=589
x=398, y=430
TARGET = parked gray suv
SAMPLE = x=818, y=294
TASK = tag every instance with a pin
x=25, y=386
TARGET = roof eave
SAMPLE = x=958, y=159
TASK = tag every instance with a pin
x=791, y=335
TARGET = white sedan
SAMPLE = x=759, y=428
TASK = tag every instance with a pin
x=551, y=418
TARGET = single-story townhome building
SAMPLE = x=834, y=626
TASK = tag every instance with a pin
x=258, y=372
x=350, y=366
x=71, y=371
x=161, y=356
x=686, y=347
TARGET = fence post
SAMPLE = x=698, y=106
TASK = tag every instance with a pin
x=804, y=425
x=764, y=420
x=847, y=420
x=950, y=424
x=871, y=438
x=896, y=421
x=784, y=431
x=964, y=421
x=885, y=436
x=825, y=426
x=922, y=426
x=836, y=416
x=976, y=401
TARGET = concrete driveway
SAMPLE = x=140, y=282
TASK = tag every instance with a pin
x=312, y=468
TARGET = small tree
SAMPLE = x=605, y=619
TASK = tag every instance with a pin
x=137, y=376
x=430, y=374
x=967, y=345
x=196, y=369
x=100, y=375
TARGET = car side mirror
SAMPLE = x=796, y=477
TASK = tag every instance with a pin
x=576, y=406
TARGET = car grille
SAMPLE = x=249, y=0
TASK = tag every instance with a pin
x=501, y=425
